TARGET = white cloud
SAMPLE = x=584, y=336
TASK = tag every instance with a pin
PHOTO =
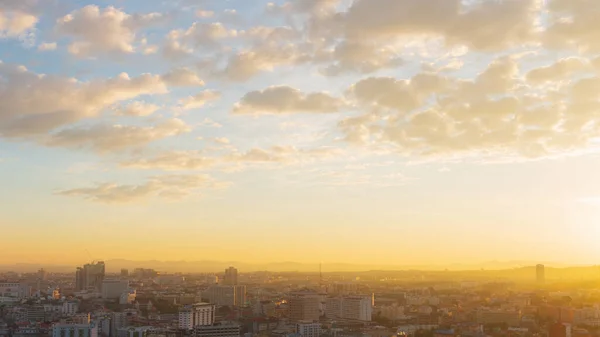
x=16, y=18
x=107, y=30
x=166, y=187
x=104, y=138
x=182, y=77
x=278, y=100
x=221, y=140
x=172, y=161
x=204, y=14
x=32, y=104
x=47, y=46
x=139, y=109
x=199, y=100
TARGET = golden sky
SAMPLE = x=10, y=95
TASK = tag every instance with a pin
x=388, y=132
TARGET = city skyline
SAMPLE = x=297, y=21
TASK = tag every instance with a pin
x=370, y=132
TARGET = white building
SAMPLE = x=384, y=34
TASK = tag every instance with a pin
x=75, y=330
x=217, y=330
x=199, y=314
x=308, y=329
x=70, y=308
x=14, y=290
x=140, y=331
x=350, y=307
x=113, y=289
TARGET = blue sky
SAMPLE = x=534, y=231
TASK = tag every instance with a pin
x=334, y=122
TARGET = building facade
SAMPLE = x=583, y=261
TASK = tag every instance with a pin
x=304, y=306
x=75, y=330
x=199, y=314
x=308, y=329
x=358, y=308
x=231, y=277
x=217, y=330
x=113, y=289
x=231, y=296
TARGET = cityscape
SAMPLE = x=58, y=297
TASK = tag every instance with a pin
x=299, y=168
x=142, y=302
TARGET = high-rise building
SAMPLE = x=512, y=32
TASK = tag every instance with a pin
x=308, y=329
x=358, y=308
x=304, y=306
x=75, y=330
x=198, y=314
x=232, y=296
x=113, y=289
x=231, y=277
x=124, y=272
x=540, y=273
x=90, y=276
x=42, y=274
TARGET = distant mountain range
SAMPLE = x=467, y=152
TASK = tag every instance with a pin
x=218, y=266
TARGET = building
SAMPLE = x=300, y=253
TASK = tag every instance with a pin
x=392, y=312
x=217, y=330
x=558, y=330
x=489, y=316
x=122, y=319
x=140, y=331
x=359, y=308
x=194, y=315
x=82, y=318
x=124, y=272
x=304, y=306
x=343, y=288
x=212, y=279
x=42, y=274
x=540, y=273
x=70, y=308
x=90, y=276
x=231, y=277
x=308, y=329
x=232, y=296
x=113, y=289
x=75, y=330
x=14, y=290
x=36, y=313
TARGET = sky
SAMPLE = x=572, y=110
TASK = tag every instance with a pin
x=391, y=132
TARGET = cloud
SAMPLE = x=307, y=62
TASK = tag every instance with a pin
x=17, y=18
x=108, y=30
x=362, y=58
x=199, y=100
x=204, y=14
x=561, y=70
x=172, y=187
x=104, y=138
x=47, y=46
x=33, y=104
x=221, y=140
x=199, y=36
x=139, y=109
x=172, y=161
x=207, y=122
x=481, y=25
x=280, y=100
x=573, y=24
x=182, y=77
x=495, y=114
